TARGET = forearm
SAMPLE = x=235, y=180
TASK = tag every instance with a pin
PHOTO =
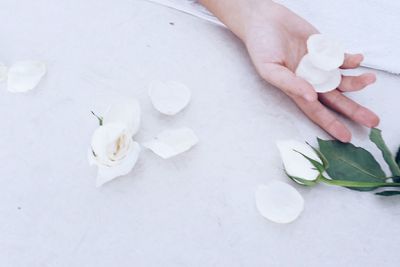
x=236, y=14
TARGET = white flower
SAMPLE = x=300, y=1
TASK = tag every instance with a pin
x=279, y=202
x=112, y=148
x=25, y=75
x=296, y=165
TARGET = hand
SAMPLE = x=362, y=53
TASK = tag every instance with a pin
x=276, y=40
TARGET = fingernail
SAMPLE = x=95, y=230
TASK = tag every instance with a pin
x=367, y=118
x=371, y=78
x=344, y=137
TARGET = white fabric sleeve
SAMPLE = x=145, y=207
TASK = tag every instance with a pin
x=190, y=7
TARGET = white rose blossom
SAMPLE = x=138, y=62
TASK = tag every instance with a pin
x=296, y=165
x=113, y=149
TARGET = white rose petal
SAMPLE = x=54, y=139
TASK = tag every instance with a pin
x=113, y=151
x=169, y=98
x=3, y=72
x=106, y=174
x=25, y=75
x=322, y=81
x=279, y=202
x=309, y=72
x=296, y=165
x=325, y=53
x=92, y=158
x=125, y=111
x=170, y=143
x=333, y=81
x=110, y=143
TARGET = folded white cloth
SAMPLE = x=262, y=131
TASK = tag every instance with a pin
x=190, y=7
x=371, y=27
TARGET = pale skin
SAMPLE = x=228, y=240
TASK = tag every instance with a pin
x=275, y=38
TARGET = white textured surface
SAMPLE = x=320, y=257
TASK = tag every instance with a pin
x=194, y=210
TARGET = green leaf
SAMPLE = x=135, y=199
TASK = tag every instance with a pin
x=388, y=193
x=318, y=166
x=350, y=163
x=354, y=184
x=301, y=181
x=376, y=137
x=397, y=159
x=321, y=156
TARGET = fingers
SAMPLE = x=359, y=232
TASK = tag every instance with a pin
x=354, y=111
x=325, y=119
x=352, y=61
x=355, y=83
x=286, y=80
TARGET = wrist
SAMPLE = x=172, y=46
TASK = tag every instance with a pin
x=240, y=15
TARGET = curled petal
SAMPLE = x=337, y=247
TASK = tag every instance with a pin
x=322, y=81
x=309, y=72
x=333, y=81
x=325, y=53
